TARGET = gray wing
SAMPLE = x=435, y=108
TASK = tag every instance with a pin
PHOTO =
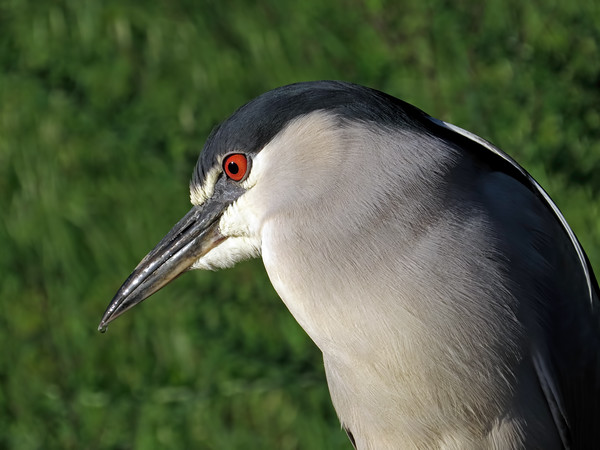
x=558, y=292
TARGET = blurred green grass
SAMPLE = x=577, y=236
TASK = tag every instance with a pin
x=104, y=107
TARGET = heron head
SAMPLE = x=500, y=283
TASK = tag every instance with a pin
x=304, y=147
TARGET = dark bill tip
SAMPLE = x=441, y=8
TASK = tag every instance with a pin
x=190, y=239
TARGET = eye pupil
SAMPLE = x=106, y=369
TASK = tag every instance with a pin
x=233, y=168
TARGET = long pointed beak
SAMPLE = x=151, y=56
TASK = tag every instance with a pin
x=191, y=238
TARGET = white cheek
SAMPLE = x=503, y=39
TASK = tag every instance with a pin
x=239, y=219
x=228, y=253
x=239, y=225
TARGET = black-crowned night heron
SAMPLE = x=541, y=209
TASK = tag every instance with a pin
x=453, y=304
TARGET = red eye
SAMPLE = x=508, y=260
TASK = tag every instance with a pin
x=235, y=166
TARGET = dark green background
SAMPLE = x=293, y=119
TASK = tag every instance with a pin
x=104, y=107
